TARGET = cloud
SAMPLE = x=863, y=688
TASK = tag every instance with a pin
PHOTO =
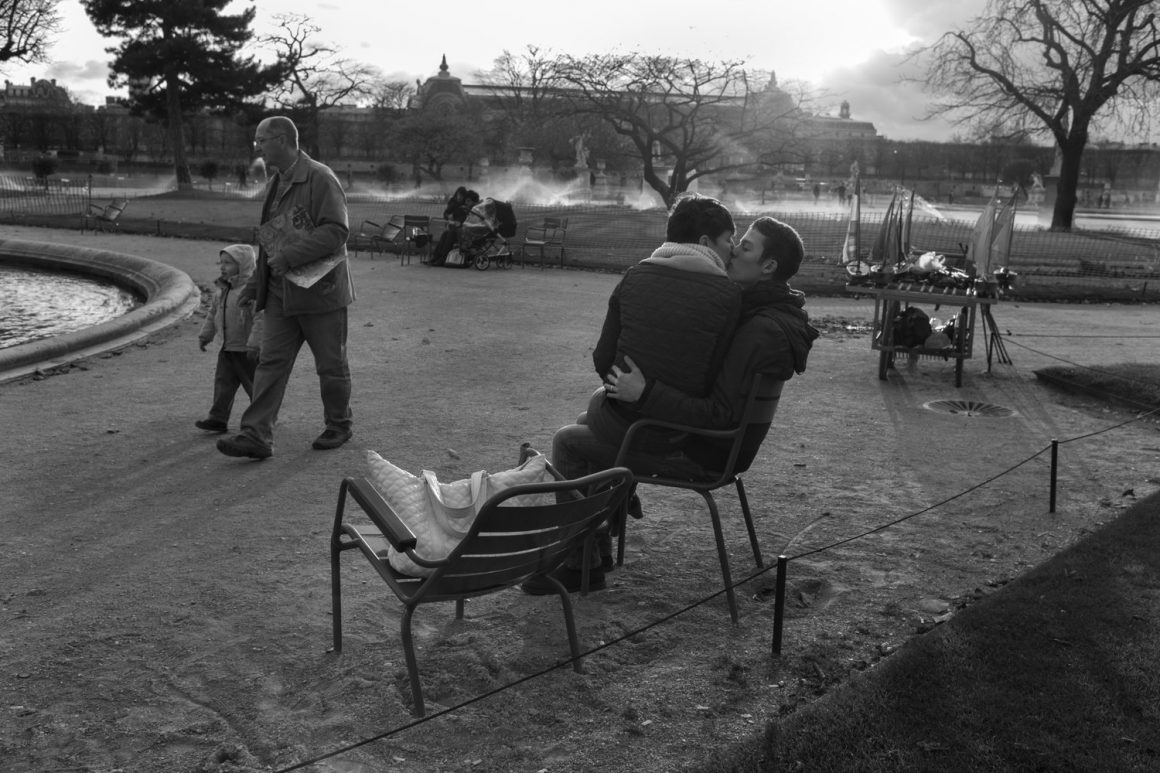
x=927, y=20
x=87, y=82
x=73, y=71
x=887, y=91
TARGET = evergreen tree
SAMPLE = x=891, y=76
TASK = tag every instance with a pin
x=180, y=56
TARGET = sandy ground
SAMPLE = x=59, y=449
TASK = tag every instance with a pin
x=165, y=608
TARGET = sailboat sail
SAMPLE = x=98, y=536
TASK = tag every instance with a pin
x=850, y=246
x=979, y=248
x=1004, y=234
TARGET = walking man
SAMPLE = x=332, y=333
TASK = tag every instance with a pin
x=303, y=285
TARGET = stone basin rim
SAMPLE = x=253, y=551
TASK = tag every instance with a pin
x=170, y=296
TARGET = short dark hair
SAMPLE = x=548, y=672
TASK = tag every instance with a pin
x=783, y=244
x=693, y=216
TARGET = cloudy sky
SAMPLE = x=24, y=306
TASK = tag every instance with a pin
x=849, y=49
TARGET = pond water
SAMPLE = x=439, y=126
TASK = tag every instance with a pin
x=37, y=304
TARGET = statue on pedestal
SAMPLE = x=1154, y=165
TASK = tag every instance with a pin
x=578, y=141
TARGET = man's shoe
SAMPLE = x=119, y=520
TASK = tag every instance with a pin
x=331, y=438
x=244, y=445
x=211, y=425
x=634, y=508
x=571, y=579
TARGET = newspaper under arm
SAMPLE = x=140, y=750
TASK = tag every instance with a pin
x=282, y=230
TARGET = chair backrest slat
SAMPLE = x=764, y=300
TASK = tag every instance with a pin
x=509, y=543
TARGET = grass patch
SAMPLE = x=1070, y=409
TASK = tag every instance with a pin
x=1056, y=672
x=1132, y=385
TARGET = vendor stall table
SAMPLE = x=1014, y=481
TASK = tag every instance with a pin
x=891, y=299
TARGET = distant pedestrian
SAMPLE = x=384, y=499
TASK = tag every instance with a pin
x=234, y=323
x=817, y=192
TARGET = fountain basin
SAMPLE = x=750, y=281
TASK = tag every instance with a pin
x=170, y=295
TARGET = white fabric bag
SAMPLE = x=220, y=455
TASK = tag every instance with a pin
x=440, y=514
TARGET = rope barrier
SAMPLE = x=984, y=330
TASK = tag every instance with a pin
x=1151, y=411
x=1084, y=367
x=1124, y=423
x=779, y=600
x=1070, y=337
x=528, y=678
x=782, y=560
x=927, y=509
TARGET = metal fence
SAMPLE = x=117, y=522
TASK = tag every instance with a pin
x=32, y=196
x=1105, y=264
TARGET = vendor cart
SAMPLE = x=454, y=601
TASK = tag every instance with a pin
x=969, y=303
x=898, y=277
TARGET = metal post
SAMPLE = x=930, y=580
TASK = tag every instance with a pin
x=779, y=604
x=1054, y=472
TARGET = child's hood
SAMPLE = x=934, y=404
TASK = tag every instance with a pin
x=243, y=255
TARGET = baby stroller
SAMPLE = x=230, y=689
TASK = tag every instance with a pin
x=483, y=237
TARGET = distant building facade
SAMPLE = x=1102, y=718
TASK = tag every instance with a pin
x=40, y=117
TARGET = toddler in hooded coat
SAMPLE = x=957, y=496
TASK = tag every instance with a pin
x=239, y=329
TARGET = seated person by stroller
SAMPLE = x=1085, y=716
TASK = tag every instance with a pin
x=481, y=239
x=457, y=209
x=460, y=204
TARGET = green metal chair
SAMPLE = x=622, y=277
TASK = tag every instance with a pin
x=760, y=407
x=505, y=546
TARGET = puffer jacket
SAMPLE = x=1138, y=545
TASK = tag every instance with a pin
x=774, y=338
x=673, y=314
x=235, y=323
x=317, y=193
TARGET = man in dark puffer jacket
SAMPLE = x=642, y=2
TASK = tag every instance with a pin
x=774, y=338
x=673, y=314
x=676, y=311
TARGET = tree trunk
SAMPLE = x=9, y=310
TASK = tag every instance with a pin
x=177, y=132
x=1070, y=154
x=657, y=184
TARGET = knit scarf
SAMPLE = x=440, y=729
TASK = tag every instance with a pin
x=688, y=257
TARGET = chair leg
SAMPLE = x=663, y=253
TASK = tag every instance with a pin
x=458, y=609
x=335, y=595
x=749, y=522
x=412, y=665
x=726, y=575
x=570, y=624
x=619, y=522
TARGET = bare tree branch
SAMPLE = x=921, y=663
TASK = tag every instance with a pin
x=697, y=118
x=1058, y=68
x=26, y=29
x=319, y=77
